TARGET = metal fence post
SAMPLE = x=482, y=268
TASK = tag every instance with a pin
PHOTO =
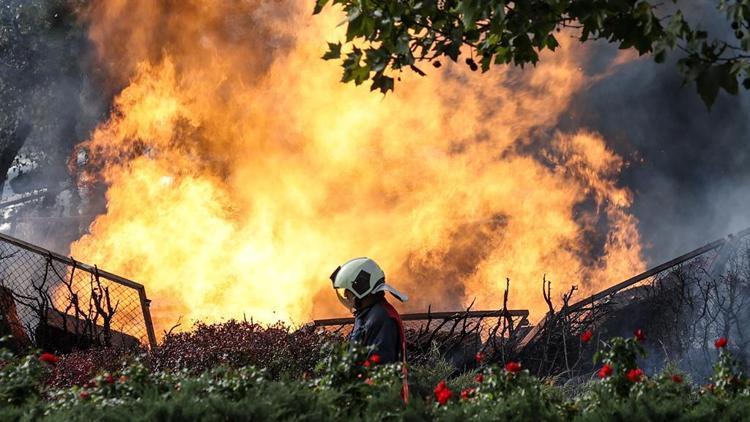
x=145, y=306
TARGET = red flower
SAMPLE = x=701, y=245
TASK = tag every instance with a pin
x=444, y=396
x=84, y=394
x=513, y=367
x=375, y=358
x=466, y=393
x=443, y=393
x=479, y=378
x=123, y=379
x=635, y=375
x=479, y=357
x=49, y=358
x=368, y=381
x=605, y=371
x=677, y=379
x=109, y=379
x=721, y=342
x=586, y=336
x=640, y=336
x=441, y=386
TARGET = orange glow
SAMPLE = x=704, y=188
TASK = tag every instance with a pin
x=241, y=172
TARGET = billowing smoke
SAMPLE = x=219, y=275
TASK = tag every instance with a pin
x=689, y=166
x=50, y=102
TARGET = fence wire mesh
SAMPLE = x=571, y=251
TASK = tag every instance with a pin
x=685, y=303
x=56, y=303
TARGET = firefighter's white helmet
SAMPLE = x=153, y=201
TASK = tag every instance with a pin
x=361, y=276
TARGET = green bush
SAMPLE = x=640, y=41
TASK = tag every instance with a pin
x=347, y=385
x=20, y=379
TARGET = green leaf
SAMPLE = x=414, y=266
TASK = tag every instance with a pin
x=677, y=27
x=502, y=55
x=450, y=49
x=486, y=61
x=469, y=10
x=355, y=27
x=382, y=82
x=334, y=51
x=377, y=59
x=708, y=86
x=551, y=42
x=727, y=78
x=353, y=71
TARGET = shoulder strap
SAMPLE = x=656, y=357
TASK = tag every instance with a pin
x=404, y=371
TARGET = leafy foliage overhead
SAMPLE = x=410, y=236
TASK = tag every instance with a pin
x=384, y=37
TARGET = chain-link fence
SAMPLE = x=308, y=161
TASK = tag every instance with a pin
x=56, y=303
x=683, y=305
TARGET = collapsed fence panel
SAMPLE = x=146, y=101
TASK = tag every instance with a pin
x=683, y=305
x=56, y=303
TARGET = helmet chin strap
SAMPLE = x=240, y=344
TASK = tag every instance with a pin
x=367, y=301
x=358, y=303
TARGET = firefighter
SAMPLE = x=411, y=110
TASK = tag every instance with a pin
x=360, y=286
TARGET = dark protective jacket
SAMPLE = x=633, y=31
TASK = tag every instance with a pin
x=378, y=325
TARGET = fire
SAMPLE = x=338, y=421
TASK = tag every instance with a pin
x=240, y=172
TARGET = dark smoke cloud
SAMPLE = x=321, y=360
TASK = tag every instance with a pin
x=689, y=167
x=47, y=90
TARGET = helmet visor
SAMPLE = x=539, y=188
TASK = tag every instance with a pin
x=346, y=299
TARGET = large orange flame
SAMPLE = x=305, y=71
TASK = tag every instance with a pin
x=241, y=172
